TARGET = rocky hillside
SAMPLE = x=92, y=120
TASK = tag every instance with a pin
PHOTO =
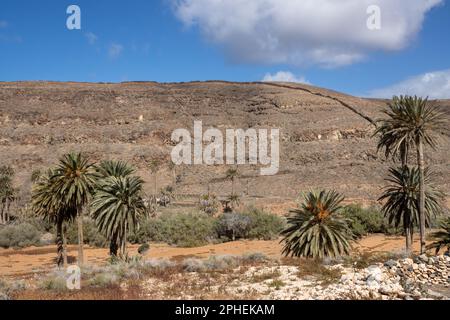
x=326, y=137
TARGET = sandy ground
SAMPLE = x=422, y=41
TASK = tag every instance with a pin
x=33, y=260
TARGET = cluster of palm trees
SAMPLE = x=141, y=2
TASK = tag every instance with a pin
x=316, y=229
x=8, y=193
x=410, y=199
x=109, y=191
x=114, y=196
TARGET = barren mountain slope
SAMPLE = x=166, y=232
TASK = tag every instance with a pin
x=325, y=136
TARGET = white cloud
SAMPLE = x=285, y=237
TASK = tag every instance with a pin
x=284, y=76
x=435, y=85
x=328, y=33
x=115, y=50
x=91, y=37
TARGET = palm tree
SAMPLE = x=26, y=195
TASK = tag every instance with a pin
x=173, y=168
x=411, y=121
x=232, y=174
x=401, y=199
x=316, y=229
x=112, y=168
x=234, y=201
x=47, y=204
x=117, y=208
x=154, y=168
x=8, y=193
x=442, y=237
x=73, y=181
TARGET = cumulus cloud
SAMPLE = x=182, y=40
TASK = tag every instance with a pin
x=284, y=76
x=328, y=33
x=91, y=37
x=115, y=50
x=435, y=85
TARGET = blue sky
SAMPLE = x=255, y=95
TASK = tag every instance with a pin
x=185, y=40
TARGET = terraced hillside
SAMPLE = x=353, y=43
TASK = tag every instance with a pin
x=326, y=137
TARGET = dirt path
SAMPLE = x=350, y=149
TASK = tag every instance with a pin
x=30, y=260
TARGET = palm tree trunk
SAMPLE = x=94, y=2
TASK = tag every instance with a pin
x=123, y=245
x=80, y=237
x=64, y=247
x=421, y=164
x=408, y=239
x=156, y=189
x=1, y=215
x=113, y=247
x=409, y=227
x=8, y=206
x=232, y=186
x=59, y=242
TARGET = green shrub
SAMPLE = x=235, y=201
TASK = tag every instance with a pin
x=7, y=289
x=264, y=226
x=364, y=221
x=233, y=225
x=251, y=224
x=54, y=282
x=183, y=230
x=19, y=235
x=102, y=280
x=91, y=235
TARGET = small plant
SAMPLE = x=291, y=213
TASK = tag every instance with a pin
x=209, y=204
x=312, y=267
x=143, y=248
x=261, y=277
x=277, y=284
x=54, y=282
x=103, y=280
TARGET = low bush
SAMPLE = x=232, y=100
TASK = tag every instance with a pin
x=102, y=280
x=222, y=262
x=363, y=221
x=183, y=230
x=250, y=224
x=19, y=235
x=233, y=225
x=8, y=288
x=55, y=282
x=264, y=225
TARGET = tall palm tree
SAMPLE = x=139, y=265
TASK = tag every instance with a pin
x=401, y=199
x=112, y=168
x=73, y=180
x=316, y=229
x=47, y=204
x=411, y=121
x=117, y=208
